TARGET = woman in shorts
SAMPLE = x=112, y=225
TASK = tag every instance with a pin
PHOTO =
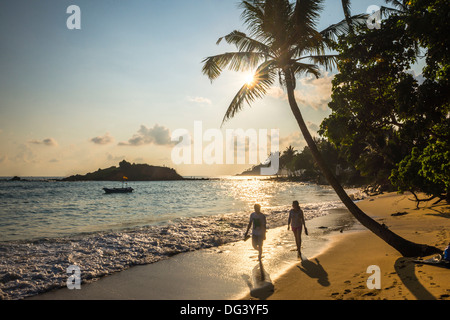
x=297, y=222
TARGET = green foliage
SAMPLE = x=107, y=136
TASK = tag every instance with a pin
x=428, y=22
x=301, y=164
x=393, y=128
x=435, y=161
x=426, y=170
x=287, y=158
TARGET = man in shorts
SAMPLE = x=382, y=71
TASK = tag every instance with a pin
x=258, y=221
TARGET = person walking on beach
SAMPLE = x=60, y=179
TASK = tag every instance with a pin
x=258, y=221
x=297, y=222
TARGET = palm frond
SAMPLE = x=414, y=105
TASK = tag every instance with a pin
x=244, y=43
x=328, y=61
x=333, y=31
x=299, y=68
x=386, y=12
x=277, y=14
x=399, y=4
x=281, y=41
x=268, y=21
x=253, y=17
x=236, y=61
x=346, y=8
x=304, y=19
x=314, y=44
x=263, y=79
x=306, y=13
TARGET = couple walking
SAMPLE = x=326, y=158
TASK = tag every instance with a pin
x=258, y=221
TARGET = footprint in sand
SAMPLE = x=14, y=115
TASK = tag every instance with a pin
x=370, y=294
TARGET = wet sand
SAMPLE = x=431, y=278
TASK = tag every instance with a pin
x=335, y=267
x=220, y=273
x=341, y=271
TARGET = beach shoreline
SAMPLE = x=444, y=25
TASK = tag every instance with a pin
x=342, y=271
x=220, y=273
x=335, y=268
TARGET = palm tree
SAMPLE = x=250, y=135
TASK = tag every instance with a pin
x=346, y=8
x=286, y=159
x=399, y=7
x=283, y=43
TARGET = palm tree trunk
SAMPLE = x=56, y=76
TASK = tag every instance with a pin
x=405, y=247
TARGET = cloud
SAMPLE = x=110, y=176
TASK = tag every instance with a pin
x=294, y=139
x=316, y=104
x=419, y=77
x=46, y=142
x=25, y=155
x=158, y=135
x=312, y=126
x=200, y=100
x=110, y=157
x=313, y=92
x=102, y=140
x=276, y=92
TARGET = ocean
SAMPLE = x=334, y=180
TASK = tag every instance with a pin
x=47, y=225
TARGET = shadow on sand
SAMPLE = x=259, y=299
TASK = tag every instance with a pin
x=315, y=270
x=405, y=269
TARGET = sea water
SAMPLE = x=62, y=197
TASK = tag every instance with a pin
x=48, y=225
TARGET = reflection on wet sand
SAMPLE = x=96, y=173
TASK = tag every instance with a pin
x=261, y=286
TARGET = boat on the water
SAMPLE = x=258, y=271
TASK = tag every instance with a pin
x=124, y=189
x=118, y=190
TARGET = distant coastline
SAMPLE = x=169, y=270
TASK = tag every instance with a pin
x=367, y=189
x=125, y=171
x=130, y=172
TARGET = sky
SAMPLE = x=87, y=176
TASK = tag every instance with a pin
x=75, y=100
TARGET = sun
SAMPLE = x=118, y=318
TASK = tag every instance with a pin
x=249, y=79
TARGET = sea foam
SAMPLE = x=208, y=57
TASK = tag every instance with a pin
x=28, y=268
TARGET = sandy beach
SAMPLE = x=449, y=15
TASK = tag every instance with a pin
x=341, y=271
x=335, y=268
x=138, y=140
x=218, y=273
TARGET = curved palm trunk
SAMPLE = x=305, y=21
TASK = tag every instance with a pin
x=405, y=247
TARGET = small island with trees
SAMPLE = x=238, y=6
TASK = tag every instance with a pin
x=133, y=172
